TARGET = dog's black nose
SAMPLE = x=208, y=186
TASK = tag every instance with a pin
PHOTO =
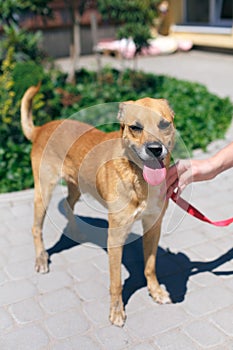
x=155, y=149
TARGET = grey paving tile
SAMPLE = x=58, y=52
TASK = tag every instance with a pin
x=114, y=338
x=146, y=345
x=97, y=311
x=205, y=334
x=138, y=301
x=22, y=210
x=27, y=338
x=19, y=234
x=212, y=232
x=3, y=277
x=66, y=324
x=6, y=214
x=74, y=343
x=169, y=316
x=4, y=241
x=102, y=263
x=223, y=319
x=143, y=294
x=6, y=321
x=3, y=260
x=91, y=290
x=14, y=291
x=20, y=270
x=228, y=281
x=226, y=346
x=177, y=220
x=18, y=253
x=52, y=281
x=184, y=239
x=223, y=243
x=82, y=253
x=59, y=300
x=8, y=199
x=83, y=272
x=25, y=311
x=205, y=279
x=57, y=259
x=207, y=251
x=207, y=300
x=175, y=340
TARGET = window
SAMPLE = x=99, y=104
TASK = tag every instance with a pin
x=197, y=11
x=226, y=11
x=208, y=12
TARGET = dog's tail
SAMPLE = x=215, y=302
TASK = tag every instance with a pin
x=26, y=112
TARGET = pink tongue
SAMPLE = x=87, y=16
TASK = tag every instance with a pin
x=154, y=177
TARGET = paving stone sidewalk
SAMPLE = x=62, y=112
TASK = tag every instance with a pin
x=68, y=308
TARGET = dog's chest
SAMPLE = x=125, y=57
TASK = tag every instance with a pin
x=148, y=200
x=149, y=207
x=139, y=210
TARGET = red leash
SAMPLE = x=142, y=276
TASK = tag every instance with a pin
x=194, y=212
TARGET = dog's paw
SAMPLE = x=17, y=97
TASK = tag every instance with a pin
x=160, y=296
x=41, y=264
x=117, y=314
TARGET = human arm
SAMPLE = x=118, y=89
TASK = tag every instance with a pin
x=186, y=171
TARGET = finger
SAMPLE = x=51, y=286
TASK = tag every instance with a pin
x=172, y=176
x=172, y=171
x=171, y=189
x=185, y=179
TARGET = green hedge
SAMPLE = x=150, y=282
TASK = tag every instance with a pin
x=200, y=116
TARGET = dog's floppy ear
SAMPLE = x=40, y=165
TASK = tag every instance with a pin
x=122, y=107
x=121, y=110
x=172, y=114
x=120, y=117
x=121, y=113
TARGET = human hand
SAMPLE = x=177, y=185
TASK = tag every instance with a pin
x=186, y=171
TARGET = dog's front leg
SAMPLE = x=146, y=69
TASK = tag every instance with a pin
x=116, y=239
x=150, y=245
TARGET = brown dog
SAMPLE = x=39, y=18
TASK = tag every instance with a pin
x=124, y=170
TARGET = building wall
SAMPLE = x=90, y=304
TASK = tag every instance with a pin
x=57, y=41
x=176, y=8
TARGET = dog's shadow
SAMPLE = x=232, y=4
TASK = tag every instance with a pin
x=173, y=269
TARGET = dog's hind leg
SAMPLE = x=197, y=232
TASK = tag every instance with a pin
x=73, y=194
x=71, y=199
x=42, y=196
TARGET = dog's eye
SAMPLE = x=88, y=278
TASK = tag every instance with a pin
x=136, y=127
x=164, y=124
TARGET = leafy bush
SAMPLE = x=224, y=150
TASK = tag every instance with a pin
x=199, y=113
x=15, y=166
x=26, y=45
x=136, y=18
x=200, y=116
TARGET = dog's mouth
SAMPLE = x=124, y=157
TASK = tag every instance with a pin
x=154, y=172
x=152, y=156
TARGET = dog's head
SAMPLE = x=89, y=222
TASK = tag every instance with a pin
x=148, y=134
